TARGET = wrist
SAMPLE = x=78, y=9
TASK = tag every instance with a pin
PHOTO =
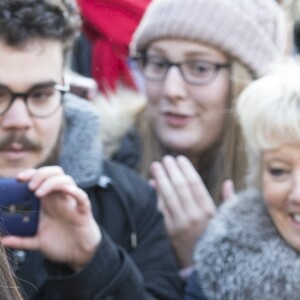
x=186, y=272
x=85, y=253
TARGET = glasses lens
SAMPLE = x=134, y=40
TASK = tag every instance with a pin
x=43, y=101
x=155, y=68
x=5, y=98
x=198, y=72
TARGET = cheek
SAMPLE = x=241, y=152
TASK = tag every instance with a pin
x=275, y=193
x=153, y=91
x=50, y=130
x=222, y=94
x=268, y=191
x=216, y=96
x=212, y=102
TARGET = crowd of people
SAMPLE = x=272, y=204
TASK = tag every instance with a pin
x=192, y=192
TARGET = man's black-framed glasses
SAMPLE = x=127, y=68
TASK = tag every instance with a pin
x=194, y=71
x=42, y=100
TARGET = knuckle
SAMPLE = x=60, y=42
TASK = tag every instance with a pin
x=69, y=178
x=59, y=169
x=209, y=212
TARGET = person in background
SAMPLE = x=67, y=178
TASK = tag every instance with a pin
x=196, y=57
x=251, y=250
x=292, y=9
x=99, y=235
x=102, y=51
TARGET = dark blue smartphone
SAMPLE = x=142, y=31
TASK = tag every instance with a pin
x=19, y=208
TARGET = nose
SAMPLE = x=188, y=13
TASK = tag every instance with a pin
x=17, y=117
x=174, y=85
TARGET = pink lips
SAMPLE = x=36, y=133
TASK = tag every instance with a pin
x=294, y=223
x=16, y=147
x=177, y=119
x=15, y=151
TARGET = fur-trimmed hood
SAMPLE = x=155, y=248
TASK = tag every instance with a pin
x=241, y=256
x=118, y=112
x=81, y=155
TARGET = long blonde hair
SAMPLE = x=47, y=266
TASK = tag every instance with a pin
x=9, y=289
x=224, y=160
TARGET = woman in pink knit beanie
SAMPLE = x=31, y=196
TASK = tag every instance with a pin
x=196, y=57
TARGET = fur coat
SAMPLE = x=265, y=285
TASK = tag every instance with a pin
x=242, y=255
x=118, y=113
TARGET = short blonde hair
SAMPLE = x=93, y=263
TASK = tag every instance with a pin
x=269, y=114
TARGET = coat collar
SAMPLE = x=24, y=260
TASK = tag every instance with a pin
x=81, y=155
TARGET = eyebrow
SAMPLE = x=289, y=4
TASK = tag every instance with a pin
x=190, y=54
x=275, y=159
x=36, y=85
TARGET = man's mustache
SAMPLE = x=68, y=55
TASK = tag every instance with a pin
x=27, y=144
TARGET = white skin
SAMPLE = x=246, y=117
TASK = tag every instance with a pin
x=67, y=232
x=187, y=119
x=281, y=189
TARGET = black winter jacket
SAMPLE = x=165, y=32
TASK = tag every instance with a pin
x=134, y=260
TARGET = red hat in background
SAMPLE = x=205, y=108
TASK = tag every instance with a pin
x=109, y=24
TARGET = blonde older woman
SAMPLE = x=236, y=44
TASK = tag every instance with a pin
x=252, y=249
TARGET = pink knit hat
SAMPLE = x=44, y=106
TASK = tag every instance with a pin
x=252, y=31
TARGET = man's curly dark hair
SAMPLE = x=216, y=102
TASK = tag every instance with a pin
x=22, y=21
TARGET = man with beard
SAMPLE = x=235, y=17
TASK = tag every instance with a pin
x=99, y=234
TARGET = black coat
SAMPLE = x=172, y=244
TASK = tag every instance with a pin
x=134, y=259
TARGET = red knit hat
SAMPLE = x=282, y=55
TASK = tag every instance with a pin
x=109, y=24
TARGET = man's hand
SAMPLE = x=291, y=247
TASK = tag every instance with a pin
x=185, y=203
x=67, y=232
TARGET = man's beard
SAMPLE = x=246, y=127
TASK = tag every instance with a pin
x=21, y=139
x=30, y=145
x=52, y=158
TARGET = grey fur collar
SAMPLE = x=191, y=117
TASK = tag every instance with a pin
x=81, y=155
x=242, y=256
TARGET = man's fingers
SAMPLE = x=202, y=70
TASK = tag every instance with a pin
x=53, y=184
x=36, y=177
x=82, y=201
x=24, y=243
x=26, y=175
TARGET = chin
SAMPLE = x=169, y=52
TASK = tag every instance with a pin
x=10, y=172
x=294, y=242
x=178, y=148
